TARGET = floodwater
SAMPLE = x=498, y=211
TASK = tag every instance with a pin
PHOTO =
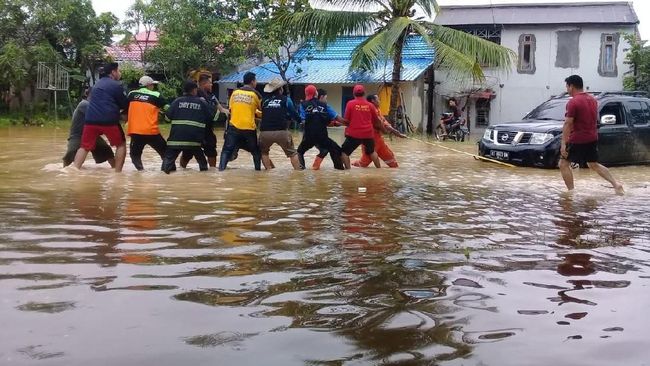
x=444, y=261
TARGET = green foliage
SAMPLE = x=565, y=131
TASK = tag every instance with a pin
x=638, y=58
x=66, y=31
x=131, y=74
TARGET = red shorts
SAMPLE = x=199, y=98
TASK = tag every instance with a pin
x=113, y=133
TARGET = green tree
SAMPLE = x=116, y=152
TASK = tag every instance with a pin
x=140, y=18
x=638, y=57
x=389, y=23
x=265, y=36
x=193, y=34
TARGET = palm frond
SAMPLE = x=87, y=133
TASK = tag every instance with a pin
x=369, y=52
x=380, y=45
x=354, y=5
x=430, y=7
x=325, y=25
x=465, y=54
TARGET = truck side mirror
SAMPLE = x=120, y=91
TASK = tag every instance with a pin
x=608, y=119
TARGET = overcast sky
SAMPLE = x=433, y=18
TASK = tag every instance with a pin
x=642, y=8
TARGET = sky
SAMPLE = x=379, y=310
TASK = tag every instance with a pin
x=642, y=8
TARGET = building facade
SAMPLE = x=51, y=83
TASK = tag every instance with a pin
x=552, y=41
x=329, y=68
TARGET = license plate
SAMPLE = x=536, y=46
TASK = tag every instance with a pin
x=501, y=155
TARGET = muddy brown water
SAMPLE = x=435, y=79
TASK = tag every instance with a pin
x=445, y=260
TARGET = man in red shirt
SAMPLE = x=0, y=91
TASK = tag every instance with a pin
x=383, y=151
x=362, y=117
x=580, y=135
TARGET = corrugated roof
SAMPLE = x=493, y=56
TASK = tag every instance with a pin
x=541, y=13
x=331, y=64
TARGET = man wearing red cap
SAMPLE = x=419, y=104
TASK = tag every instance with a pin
x=362, y=117
x=317, y=116
x=383, y=151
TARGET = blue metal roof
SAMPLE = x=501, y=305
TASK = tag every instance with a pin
x=331, y=64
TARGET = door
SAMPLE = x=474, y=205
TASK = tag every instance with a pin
x=639, y=112
x=615, y=144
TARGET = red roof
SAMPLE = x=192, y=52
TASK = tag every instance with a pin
x=142, y=37
x=133, y=52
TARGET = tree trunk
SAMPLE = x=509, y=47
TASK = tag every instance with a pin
x=396, y=77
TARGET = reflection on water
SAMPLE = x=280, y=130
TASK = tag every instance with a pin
x=446, y=260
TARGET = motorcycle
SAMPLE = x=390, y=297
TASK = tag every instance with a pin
x=456, y=128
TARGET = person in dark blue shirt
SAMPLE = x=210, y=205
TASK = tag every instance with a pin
x=107, y=100
x=316, y=118
x=277, y=110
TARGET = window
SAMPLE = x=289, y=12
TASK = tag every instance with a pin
x=568, y=49
x=615, y=108
x=482, y=112
x=526, y=63
x=608, y=48
x=638, y=112
x=489, y=33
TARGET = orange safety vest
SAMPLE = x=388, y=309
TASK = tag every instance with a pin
x=144, y=106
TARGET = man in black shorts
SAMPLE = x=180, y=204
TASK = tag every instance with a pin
x=102, y=151
x=580, y=135
x=209, y=145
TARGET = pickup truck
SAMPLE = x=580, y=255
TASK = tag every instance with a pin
x=623, y=132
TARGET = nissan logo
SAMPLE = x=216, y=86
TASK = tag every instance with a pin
x=504, y=137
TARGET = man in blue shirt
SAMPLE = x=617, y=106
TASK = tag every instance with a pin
x=107, y=100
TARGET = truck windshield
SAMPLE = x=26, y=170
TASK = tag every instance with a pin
x=550, y=110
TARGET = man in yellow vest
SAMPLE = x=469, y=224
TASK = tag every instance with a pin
x=245, y=105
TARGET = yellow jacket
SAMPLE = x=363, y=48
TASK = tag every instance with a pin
x=245, y=105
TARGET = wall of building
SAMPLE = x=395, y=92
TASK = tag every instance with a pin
x=517, y=93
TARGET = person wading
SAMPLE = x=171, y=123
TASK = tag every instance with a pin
x=317, y=117
x=580, y=135
x=190, y=116
x=335, y=122
x=142, y=121
x=362, y=117
x=383, y=150
x=277, y=109
x=102, y=151
x=210, y=143
x=107, y=100
x=245, y=105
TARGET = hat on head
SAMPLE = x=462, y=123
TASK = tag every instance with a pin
x=273, y=85
x=358, y=89
x=147, y=80
x=310, y=92
x=189, y=85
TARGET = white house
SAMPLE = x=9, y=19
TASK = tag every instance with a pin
x=552, y=41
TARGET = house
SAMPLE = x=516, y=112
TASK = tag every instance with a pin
x=134, y=51
x=552, y=41
x=329, y=68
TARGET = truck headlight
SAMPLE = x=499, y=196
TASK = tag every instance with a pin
x=540, y=138
x=488, y=134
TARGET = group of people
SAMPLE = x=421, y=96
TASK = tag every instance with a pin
x=193, y=117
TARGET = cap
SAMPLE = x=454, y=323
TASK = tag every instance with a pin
x=358, y=89
x=310, y=92
x=147, y=80
x=273, y=85
x=189, y=85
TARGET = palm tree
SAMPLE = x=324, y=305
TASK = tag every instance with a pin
x=389, y=23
